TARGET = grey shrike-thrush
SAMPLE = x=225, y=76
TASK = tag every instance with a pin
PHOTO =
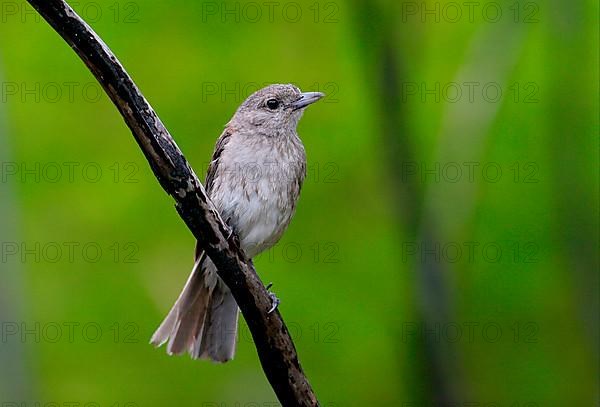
x=254, y=179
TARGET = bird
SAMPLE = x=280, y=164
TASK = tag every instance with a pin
x=254, y=179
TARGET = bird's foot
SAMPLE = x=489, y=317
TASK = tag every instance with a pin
x=274, y=300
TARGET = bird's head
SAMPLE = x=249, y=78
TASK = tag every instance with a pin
x=274, y=109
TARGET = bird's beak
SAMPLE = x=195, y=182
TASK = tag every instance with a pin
x=306, y=99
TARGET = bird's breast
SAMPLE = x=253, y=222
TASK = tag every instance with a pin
x=256, y=189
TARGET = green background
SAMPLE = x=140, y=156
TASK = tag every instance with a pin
x=445, y=246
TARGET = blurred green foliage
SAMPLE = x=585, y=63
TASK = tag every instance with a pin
x=414, y=159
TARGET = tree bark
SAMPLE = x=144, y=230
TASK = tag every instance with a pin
x=273, y=343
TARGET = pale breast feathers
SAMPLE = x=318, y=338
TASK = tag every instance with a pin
x=255, y=185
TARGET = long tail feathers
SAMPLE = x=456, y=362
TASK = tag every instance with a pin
x=203, y=320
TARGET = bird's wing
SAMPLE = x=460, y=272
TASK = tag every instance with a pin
x=214, y=163
x=212, y=171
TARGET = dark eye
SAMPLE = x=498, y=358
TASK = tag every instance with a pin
x=273, y=104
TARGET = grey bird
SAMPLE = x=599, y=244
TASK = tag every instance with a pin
x=254, y=180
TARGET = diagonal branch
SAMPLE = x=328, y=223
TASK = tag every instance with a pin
x=274, y=345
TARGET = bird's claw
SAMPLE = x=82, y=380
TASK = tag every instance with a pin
x=274, y=300
x=232, y=237
x=230, y=228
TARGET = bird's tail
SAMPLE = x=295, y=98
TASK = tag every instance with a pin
x=203, y=321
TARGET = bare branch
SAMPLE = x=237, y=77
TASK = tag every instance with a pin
x=275, y=348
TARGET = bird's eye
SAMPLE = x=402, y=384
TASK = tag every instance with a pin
x=273, y=104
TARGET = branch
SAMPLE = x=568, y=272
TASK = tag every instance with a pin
x=274, y=345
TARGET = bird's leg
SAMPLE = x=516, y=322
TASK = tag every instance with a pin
x=274, y=300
